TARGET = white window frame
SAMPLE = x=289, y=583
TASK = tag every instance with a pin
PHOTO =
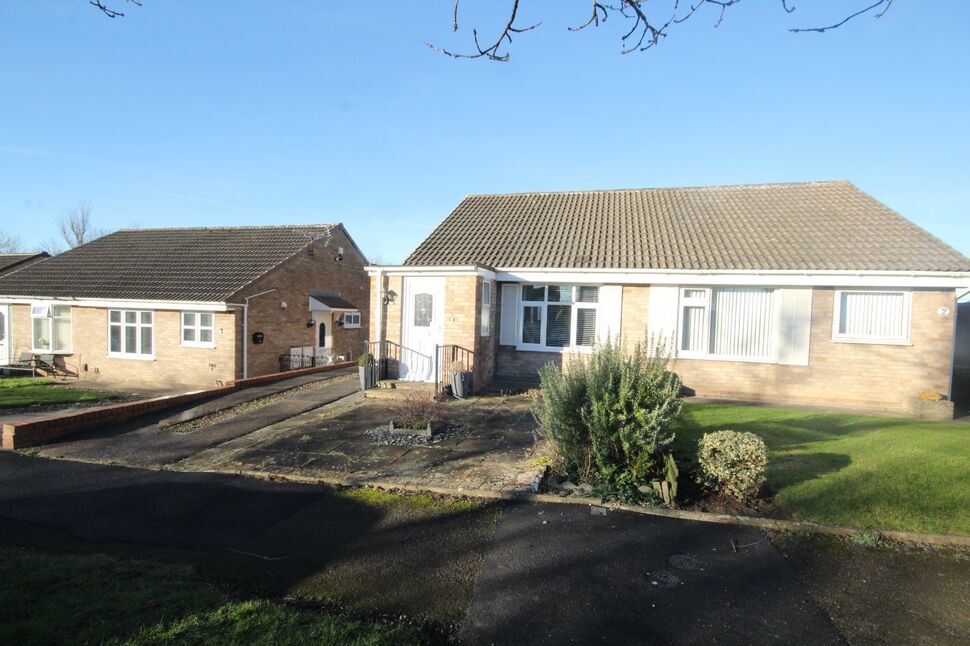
x=48, y=315
x=137, y=355
x=838, y=337
x=198, y=327
x=544, y=304
x=347, y=324
x=706, y=301
x=485, y=326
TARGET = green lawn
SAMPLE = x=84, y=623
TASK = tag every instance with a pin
x=855, y=470
x=18, y=392
x=95, y=598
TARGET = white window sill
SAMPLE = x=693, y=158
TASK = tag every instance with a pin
x=134, y=357
x=351, y=326
x=717, y=357
x=204, y=346
x=836, y=339
x=575, y=349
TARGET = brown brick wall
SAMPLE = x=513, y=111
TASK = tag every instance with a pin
x=174, y=365
x=287, y=328
x=851, y=375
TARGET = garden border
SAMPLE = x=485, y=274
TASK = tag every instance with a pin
x=950, y=540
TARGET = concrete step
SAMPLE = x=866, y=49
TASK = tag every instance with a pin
x=394, y=389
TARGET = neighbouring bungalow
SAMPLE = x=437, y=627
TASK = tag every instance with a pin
x=191, y=306
x=805, y=293
x=11, y=262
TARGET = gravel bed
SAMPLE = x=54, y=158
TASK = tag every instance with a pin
x=381, y=436
x=247, y=407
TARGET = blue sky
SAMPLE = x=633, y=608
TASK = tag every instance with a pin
x=192, y=113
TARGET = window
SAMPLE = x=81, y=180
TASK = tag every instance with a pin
x=51, y=328
x=558, y=317
x=486, y=324
x=871, y=317
x=131, y=334
x=351, y=319
x=423, y=308
x=727, y=322
x=198, y=329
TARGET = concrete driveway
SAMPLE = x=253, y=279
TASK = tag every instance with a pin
x=149, y=441
x=506, y=573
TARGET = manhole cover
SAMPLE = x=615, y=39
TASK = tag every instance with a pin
x=663, y=579
x=686, y=562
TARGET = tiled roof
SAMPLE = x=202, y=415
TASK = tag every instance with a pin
x=10, y=261
x=190, y=264
x=800, y=226
x=333, y=301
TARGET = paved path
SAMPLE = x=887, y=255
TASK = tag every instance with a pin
x=545, y=573
x=141, y=442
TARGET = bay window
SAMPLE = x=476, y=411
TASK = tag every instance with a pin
x=727, y=323
x=871, y=316
x=558, y=317
x=51, y=328
x=131, y=334
x=198, y=329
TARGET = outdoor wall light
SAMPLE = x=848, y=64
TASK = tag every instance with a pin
x=388, y=296
x=283, y=305
x=309, y=323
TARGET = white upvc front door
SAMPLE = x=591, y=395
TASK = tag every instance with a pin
x=5, y=335
x=422, y=327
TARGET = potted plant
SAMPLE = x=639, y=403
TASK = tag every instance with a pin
x=461, y=381
x=367, y=369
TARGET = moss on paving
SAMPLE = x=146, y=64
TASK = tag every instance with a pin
x=382, y=498
x=855, y=470
x=21, y=392
x=95, y=598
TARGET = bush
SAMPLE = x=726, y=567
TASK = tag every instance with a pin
x=416, y=411
x=732, y=462
x=365, y=360
x=608, y=414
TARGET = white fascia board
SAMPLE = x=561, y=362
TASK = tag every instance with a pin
x=432, y=270
x=194, y=306
x=782, y=278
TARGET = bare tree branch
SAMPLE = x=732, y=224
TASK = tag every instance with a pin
x=76, y=227
x=489, y=52
x=9, y=243
x=645, y=31
x=112, y=13
x=821, y=30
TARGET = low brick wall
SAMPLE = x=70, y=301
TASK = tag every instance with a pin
x=37, y=431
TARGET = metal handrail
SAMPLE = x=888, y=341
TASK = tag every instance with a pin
x=451, y=358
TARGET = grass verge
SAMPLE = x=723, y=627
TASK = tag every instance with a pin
x=855, y=470
x=95, y=598
x=20, y=392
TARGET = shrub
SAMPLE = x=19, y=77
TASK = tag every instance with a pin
x=416, y=411
x=930, y=396
x=733, y=463
x=608, y=414
x=366, y=359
